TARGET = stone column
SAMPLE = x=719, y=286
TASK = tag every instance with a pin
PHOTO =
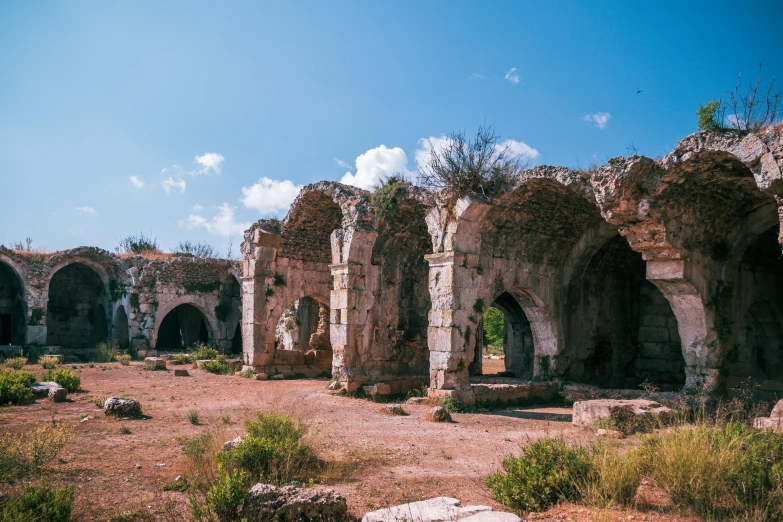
x=346, y=322
x=258, y=271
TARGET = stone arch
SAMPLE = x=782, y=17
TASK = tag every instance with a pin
x=13, y=306
x=210, y=322
x=228, y=313
x=120, y=335
x=518, y=344
x=304, y=318
x=183, y=326
x=76, y=311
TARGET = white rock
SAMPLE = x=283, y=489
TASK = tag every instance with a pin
x=439, y=509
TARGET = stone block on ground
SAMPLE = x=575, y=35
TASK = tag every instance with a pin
x=392, y=409
x=122, y=407
x=777, y=411
x=439, y=509
x=267, y=503
x=586, y=413
x=278, y=377
x=157, y=362
x=58, y=394
x=229, y=444
x=180, y=372
x=438, y=414
x=41, y=389
x=261, y=377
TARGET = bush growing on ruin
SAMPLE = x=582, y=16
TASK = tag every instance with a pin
x=15, y=387
x=385, y=199
x=16, y=363
x=217, y=366
x=105, y=353
x=201, y=351
x=64, y=377
x=48, y=363
x=138, y=244
x=181, y=358
x=195, y=249
x=709, y=118
x=464, y=166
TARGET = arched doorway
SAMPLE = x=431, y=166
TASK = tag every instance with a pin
x=12, y=307
x=236, y=341
x=303, y=326
x=504, y=344
x=622, y=331
x=228, y=313
x=76, y=309
x=181, y=328
x=119, y=332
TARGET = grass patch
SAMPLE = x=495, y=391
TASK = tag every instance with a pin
x=26, y=454
x=15, y=363
x=123, y=358
x=193, y=417
x=48, y=363
x=38, y=503
x=181, y=358
x=105, y=353
x=201, y=352
x=124, y=430
x=217, y=366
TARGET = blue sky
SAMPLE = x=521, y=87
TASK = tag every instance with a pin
x=166, y=117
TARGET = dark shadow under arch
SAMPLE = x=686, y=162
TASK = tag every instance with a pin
x=182, y=327
x=76, y=309
x=12, y=307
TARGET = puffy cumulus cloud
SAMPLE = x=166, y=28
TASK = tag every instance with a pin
x=512, y=75
x=599, y=119
x=377, y=164
x=87, y=210
x=270, y=195
x=210, y=162
x=520, y=149
x=170, y=183
x=224, y=223
x=137, y=182
x=197, y=207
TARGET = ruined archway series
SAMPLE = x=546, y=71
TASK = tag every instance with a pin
x=663, y=271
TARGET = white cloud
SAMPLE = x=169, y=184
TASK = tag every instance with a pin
x=377, y=164
x=87, y=210
x=137, y=182
x=599, y=119
x=222, y=224
x=512, y=75
x=170, y=183
x=270, y=195
x=197, y=207
x=476, y=76
x=210, y=162
x=520, y=149
x=731, y=121
x=341, y=163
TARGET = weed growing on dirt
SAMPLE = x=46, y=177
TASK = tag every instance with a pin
x=38, y=503
x=124, y=430
x=64, y=377
x=48, y=362
x=99, y=400
x=16, y=363
x=123, y=358
x=201, y=352
x=26, y=454
x=193, y=417
x=105, y=353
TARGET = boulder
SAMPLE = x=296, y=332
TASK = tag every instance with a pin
x=180, y=372
x=267, y=503
x=393, y=409
x=439, y=509
x=261, y=376
x=157, y=362
x=777, y=411
x=230, y=444
x=773, y=422
x=438, y=414
x=278, y=377
x=587, y=412
x=41, y=389
x=58, y=394
x=122, y=407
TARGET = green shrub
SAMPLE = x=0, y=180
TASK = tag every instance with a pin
x=47, y=362
x=227, y=494
x=247, y=373
x=38, y=504
x=22, y=455
x=15, y=387
x=493, y=326
x=105, y=353
x=16, y=363
x=272, y=451
x=709, y=118
x=217, y=366
x=64, y=377
x=193, y=417
x=200, y=352
x=125, y=430
x=123, y=358
x=613, y=479
x=547, y=472
x=181, y=358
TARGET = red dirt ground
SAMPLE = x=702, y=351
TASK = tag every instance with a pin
x=392, y=459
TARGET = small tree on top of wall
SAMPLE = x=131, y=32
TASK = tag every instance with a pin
x=461, y=166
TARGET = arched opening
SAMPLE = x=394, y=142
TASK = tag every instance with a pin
x=236, y=341
x=758, y=351
x=12, y=309
x=182, y=327
x=303, y=326
x=119, y=331
x=76, y=310
x=504, y=345
x=621, y=331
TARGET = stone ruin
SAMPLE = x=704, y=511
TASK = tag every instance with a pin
x=70, y=301
x=666, y=272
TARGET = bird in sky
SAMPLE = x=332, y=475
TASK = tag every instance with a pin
x=637, y=92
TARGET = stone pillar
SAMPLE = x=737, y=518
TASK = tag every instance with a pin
x=258, y=271
x=450, y=332
x=346, y=321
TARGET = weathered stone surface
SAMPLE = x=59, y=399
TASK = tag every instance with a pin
x=777, y=411
x=233, y=443
x=58, y=394
x=393, y=409
x=181, y=372
x=267, y=503
x=41, y=389
x=380, y=389
x=587, y=412
x=438, y=414
x=439, y=509
x=261, y=376
x=122, y=407
x=278, y=377
x=157, y=362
